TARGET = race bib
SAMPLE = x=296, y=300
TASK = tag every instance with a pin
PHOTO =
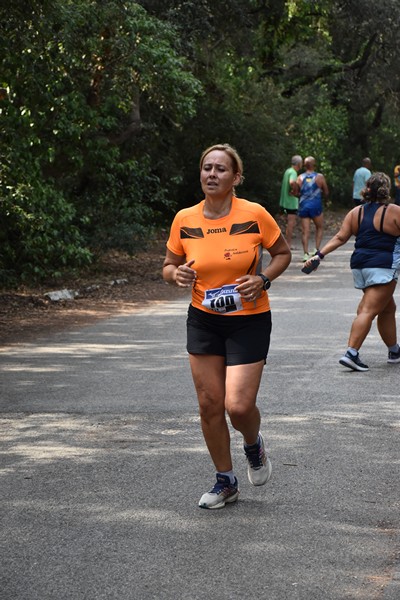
x=223, y=300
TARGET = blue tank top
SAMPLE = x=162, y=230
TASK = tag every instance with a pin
x=310, y=191
x=373, y=247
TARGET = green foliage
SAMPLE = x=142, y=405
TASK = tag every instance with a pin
x=105, y=108
x=128, y=209
x=86, y=85
x=322, y=134
x=38, y=235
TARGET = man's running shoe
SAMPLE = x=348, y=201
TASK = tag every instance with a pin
x=260, y=467
x=306, y=256
x=353, y=362
x=394, y=357
x=222, y=493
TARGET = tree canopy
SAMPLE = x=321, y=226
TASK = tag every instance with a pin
x=106, y=107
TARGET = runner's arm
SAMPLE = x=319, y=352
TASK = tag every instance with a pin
x=280, y=258
x=347, y=229
x=321, y=182
x=176, y=270
x=294, y=187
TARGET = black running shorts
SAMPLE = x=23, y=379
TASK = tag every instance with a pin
x=240, y=339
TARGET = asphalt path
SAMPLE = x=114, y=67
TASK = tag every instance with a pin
x=103, y=461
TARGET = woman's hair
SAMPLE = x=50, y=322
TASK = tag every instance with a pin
x=237, y=164
x=377, y=188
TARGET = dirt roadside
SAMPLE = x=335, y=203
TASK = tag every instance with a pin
x=118, y=283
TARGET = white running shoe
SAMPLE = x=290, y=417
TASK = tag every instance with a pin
x=222, y=493
x=260, y=468
x=353, y=362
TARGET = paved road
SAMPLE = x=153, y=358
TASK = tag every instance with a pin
x=103, y=462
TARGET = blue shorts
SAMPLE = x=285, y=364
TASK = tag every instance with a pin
x=310, y=210
x=364, y=278
x=242, y=339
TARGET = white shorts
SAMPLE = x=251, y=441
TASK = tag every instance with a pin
x=364, y=278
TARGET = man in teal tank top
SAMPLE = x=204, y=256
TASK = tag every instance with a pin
x=360, y=178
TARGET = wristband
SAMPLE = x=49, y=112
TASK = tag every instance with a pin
x=318, y=253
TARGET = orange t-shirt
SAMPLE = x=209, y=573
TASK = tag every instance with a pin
x=223, y=250
x=397, y=176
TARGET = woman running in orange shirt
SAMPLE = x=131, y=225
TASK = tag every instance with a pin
x=216, y=248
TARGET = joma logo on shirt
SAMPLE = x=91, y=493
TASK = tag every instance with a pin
x=219, y=230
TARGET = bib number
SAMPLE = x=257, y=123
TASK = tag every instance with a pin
x=223, y=300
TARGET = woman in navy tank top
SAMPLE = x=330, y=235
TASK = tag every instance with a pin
x=375, y=264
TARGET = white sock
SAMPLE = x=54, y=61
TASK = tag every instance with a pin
x=394, y=348
x=352, y=351
x=229, y=474
x=257, y=443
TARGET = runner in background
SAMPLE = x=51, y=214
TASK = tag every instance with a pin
x=312, y=187
x=289, y=200
x=397, y=185
x=360, y=178
x=375, y=264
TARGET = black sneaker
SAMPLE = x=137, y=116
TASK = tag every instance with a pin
x=394, y=357
x=353, y=362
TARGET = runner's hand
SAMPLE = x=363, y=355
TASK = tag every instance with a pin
x=249, y=287
x=185, y=276
x=311, y=264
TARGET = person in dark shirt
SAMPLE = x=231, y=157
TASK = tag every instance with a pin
x=375, y=264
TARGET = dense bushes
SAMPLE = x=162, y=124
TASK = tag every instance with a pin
x=106, y=106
